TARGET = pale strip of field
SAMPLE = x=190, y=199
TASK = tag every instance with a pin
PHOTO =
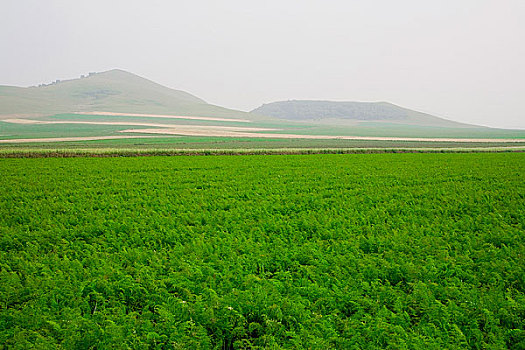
x=190, y=130
x=234, y=131
x=164, y=116
x=155, y=125
x=86, y=138
x=20, y=115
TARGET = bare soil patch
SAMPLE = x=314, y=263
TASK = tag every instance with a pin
x=190, y=130
x=240, y=132
x=84, y=138
x=155, y=125
x=165, y=116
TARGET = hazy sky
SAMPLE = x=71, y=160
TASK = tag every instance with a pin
x=460, y=59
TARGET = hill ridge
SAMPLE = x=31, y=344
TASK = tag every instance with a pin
x=341, y=112
x=115, y=90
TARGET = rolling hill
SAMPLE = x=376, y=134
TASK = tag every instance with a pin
x=115, y=90
x=115, y=105
x=347, y=113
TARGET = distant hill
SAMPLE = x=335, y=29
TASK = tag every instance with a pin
x=114, y=102
x=352, y=112
x=115, y=91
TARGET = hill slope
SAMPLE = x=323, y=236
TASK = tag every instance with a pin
x=351, y=112
x=116, y=103
x=114, y=90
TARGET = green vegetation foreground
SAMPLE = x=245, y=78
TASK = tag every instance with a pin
x=318, y=251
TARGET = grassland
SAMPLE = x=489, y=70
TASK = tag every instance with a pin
x=187, y=145
x=274, y=137
x=415, y=251
x=79, y=113
x=114, y=90
x=173, y=142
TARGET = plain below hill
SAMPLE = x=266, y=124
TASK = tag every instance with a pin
x=114, y=91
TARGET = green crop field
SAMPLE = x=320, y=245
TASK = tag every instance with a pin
x=367, y=251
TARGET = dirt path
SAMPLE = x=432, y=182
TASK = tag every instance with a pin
x=155, y=125
x=230, y=131
x=86, y=138
x=165, y=116
x=192, y=131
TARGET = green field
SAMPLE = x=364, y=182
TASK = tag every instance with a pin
x=57, y=110
x=160, y=142
x=157, y=141
x=216, y=144
x=370, y=251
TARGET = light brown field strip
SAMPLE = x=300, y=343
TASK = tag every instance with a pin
x=235, y=131
x=20, y=115
x=155, y=125
x=164, y=116
x=191, y=131
x=86, y=138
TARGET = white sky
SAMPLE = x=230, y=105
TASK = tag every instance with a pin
x=459, y=59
